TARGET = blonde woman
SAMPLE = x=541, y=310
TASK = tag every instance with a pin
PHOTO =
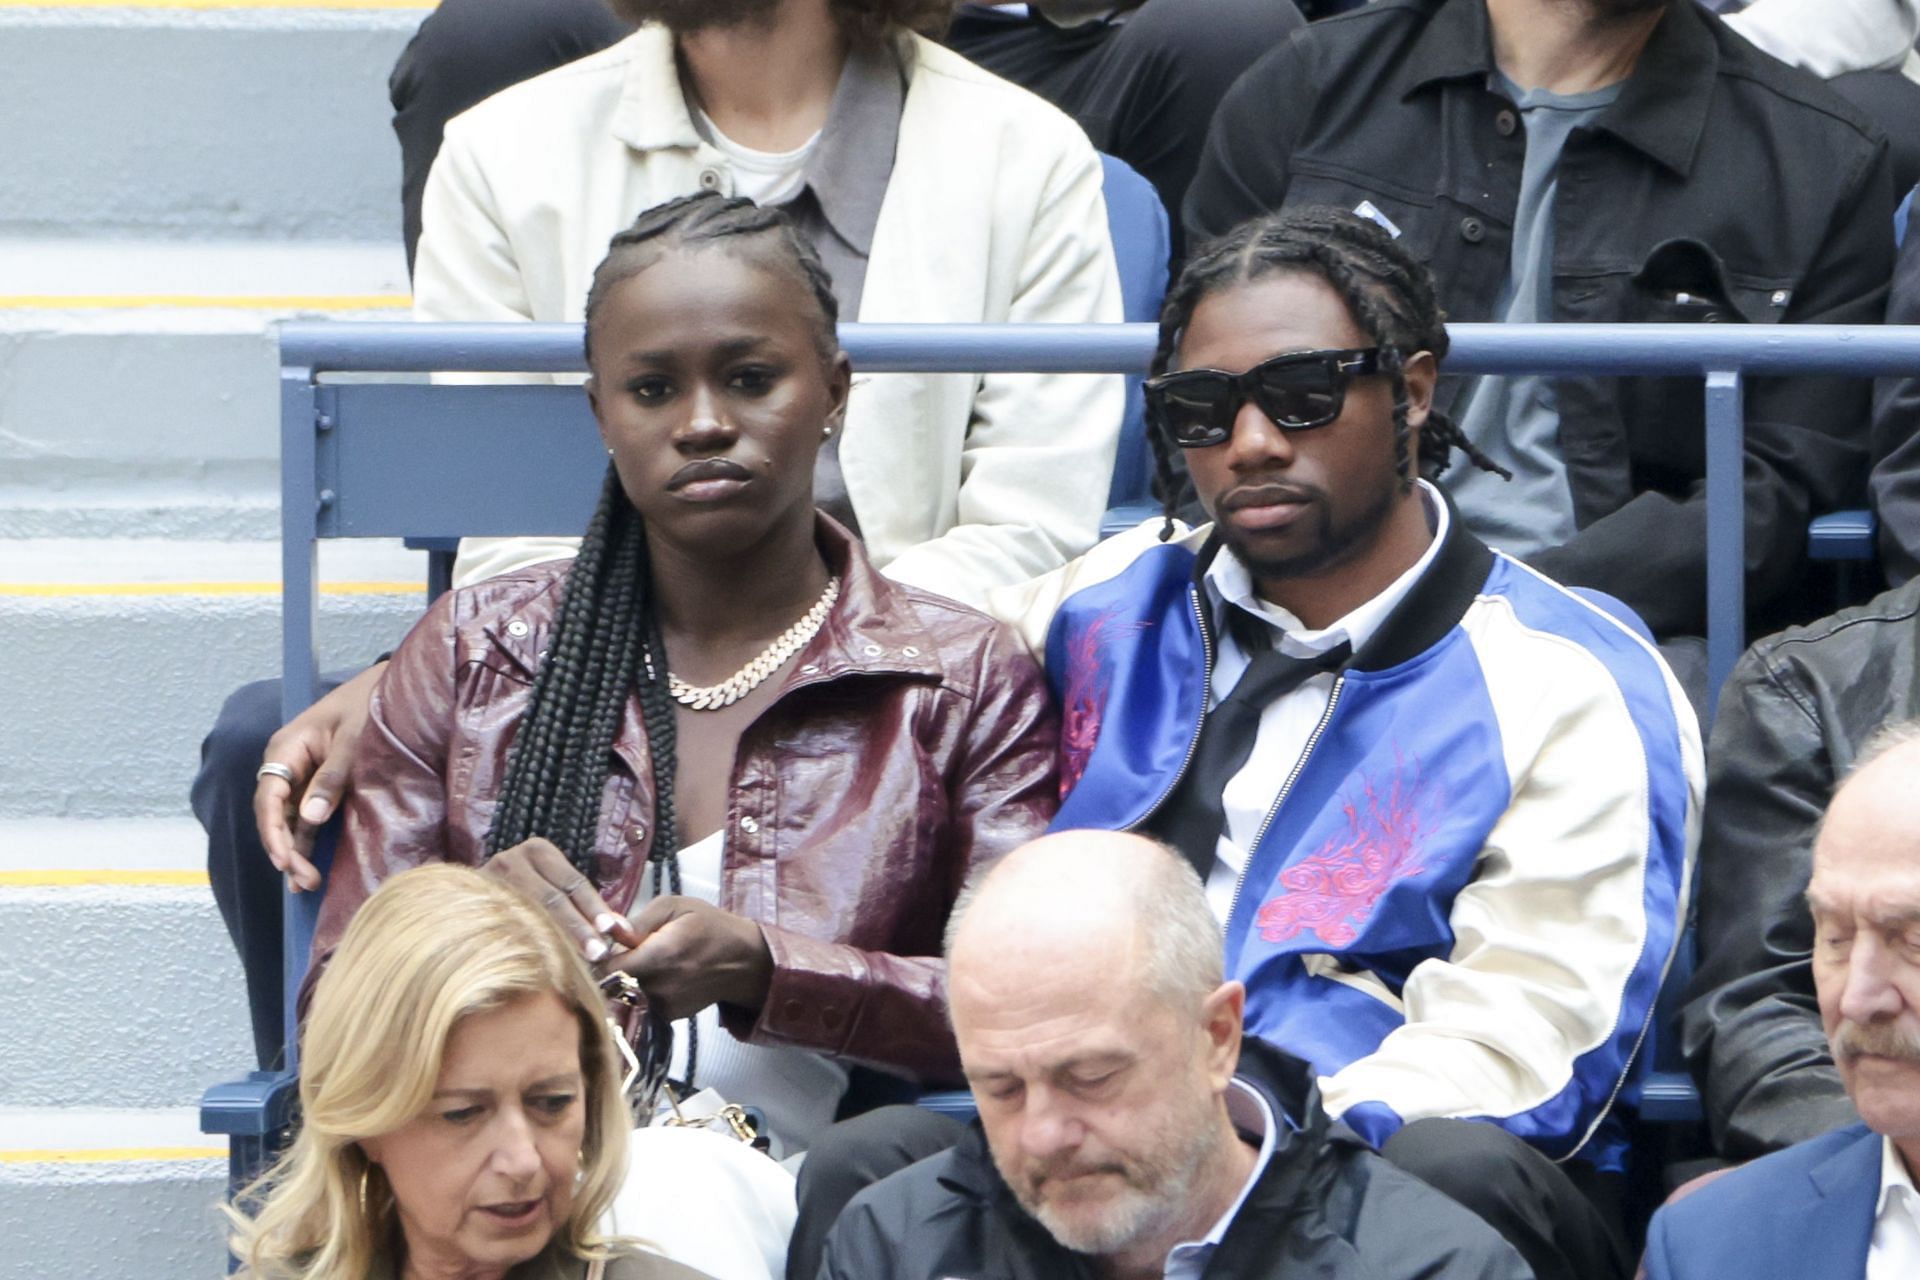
x=460, y=1090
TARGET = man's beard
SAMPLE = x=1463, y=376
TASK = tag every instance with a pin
x=1158, y=1186
x=684, y=16
x=1877, y=1040
x=1334, y=541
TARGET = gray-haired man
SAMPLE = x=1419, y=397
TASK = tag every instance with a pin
x=1126, y=1129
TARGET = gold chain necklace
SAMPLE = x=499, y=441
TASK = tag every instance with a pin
x=754, y=674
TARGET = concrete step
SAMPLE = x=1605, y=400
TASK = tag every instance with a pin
x=120, y=653
x=138, y=392
x=225, y=118
x=118, y=986
x=102, y=1194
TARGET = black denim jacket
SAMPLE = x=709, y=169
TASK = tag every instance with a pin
x=1720, y=186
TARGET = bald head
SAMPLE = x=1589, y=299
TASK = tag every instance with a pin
x=1076, y=894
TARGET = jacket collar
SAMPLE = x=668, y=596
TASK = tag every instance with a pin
x=1425, y=615
x=871, y=630
x=847, y=172
x=1662, y=109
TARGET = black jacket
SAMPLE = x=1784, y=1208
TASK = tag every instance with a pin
x=1721, y=186
x=1896, y=429
x=1793, y=717
x=1326, y=1206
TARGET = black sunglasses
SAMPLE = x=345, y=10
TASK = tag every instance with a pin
x=1298, y=391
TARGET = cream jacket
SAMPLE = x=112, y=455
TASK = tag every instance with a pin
x=994, y=213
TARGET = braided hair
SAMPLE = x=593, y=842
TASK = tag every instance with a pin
x=606, y=643
x=1389, y=293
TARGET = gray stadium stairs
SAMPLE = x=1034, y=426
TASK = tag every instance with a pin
x=177, y=175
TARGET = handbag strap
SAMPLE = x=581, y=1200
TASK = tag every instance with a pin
x=596, y=1269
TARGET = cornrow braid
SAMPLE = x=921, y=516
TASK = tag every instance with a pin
x=1389, y=293
x=606, y=645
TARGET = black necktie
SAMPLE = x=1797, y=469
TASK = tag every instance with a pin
x=1195, y=814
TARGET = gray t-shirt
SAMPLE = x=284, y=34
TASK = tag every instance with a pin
x=1516, y=420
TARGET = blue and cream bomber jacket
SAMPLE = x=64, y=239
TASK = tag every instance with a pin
x=1466, y=894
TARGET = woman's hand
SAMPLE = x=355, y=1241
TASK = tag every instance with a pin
x=542, y=873
x=686, y=954
x=691, y=954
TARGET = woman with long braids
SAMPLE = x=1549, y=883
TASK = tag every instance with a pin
x=733, y=760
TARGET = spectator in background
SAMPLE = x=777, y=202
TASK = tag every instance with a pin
x=1863, y=49
x=1795, y=717
x=1124, y=1121
x=1841, y=1207
x=1896, y=427
x=1142, y=77
x=1601, y=160
x=932, y=190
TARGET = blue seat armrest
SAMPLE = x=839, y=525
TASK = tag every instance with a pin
x=1670, y=1098
x=957, y=1103
x=255, y=1107
x=1843, y=535
x=1122, y=518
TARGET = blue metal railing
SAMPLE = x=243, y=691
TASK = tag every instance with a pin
x=1722, y=356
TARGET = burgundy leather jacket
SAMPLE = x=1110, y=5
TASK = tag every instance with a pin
x=913, y=740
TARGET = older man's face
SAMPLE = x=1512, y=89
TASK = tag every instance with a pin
x=1096, y=1097
x=1865, y=897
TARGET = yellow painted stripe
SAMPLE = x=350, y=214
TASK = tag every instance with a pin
x=62, y=590
x=77, y=878
x=110, y=1155
x=204, y=301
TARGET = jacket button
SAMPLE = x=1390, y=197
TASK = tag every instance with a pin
x=749, y=826
x=710, y=179
x=1472, y=230
x=1779, y=298
x=1506, y=122
x=518, y=629
x=639, y=833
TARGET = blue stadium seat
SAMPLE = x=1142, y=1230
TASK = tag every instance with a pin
x=1843, y=535
x=1137, y=221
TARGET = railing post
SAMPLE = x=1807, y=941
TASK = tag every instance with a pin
x=300, y=428
x=1726, y=530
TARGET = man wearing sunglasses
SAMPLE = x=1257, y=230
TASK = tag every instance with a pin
x=1594, y=161
x=1443, y=807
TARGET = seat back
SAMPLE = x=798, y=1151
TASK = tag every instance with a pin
x=1142, y=246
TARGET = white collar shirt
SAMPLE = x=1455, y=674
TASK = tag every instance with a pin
x=1895, y=1251
x=1252, y=1117
x=1287, y=723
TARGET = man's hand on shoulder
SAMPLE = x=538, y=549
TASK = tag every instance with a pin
x=317, y=747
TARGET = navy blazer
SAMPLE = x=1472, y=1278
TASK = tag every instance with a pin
x=1805, y=1213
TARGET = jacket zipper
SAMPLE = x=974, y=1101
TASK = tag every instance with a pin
x=1313, y=740
x=1206, y=696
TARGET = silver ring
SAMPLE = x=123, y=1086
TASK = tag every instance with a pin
x=274, y=769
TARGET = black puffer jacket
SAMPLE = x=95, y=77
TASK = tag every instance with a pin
x=1793, y=717
x=1326, y=1206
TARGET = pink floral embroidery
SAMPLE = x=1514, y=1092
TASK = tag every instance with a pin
x=1086, y=694
x=1333, y=892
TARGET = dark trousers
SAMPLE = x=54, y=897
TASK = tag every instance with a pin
x=245, y=884
x=1564, y=1220
x=1143, y=88
x=850, y=1157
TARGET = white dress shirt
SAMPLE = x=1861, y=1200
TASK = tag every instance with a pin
x=1253, y=1118
x=1895, y=1251
x=1288, y=722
